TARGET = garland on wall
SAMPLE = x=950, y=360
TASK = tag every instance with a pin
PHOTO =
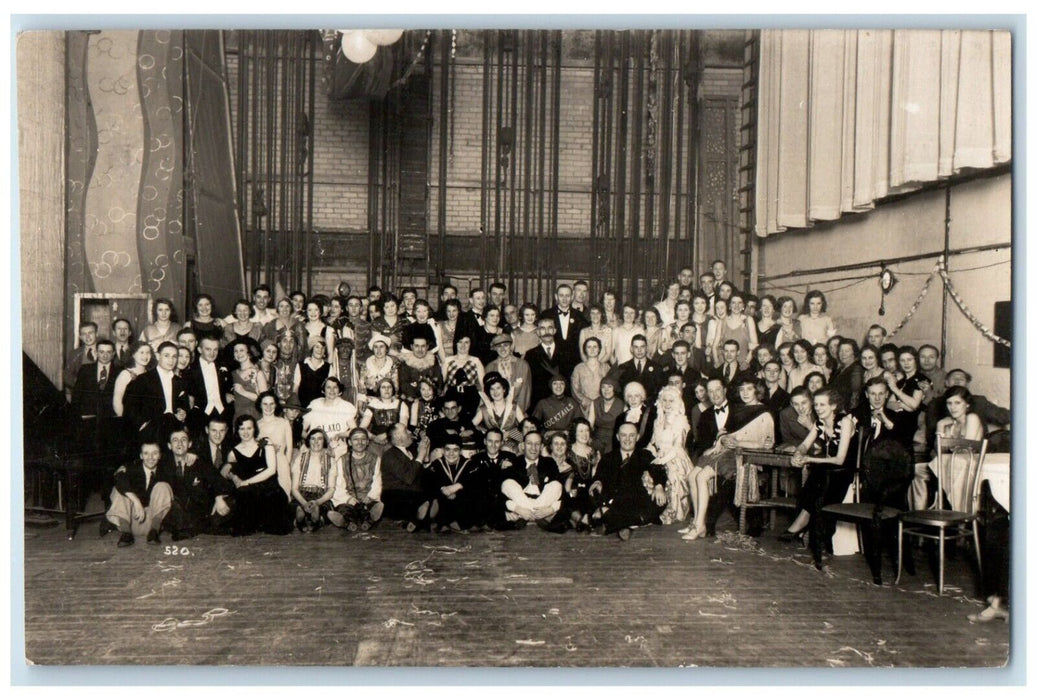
x=941, y=266
x=941, y=269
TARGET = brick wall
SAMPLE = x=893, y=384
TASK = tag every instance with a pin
x=341, y=156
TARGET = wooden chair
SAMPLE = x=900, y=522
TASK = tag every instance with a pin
x=936, y=523
x=884, y=473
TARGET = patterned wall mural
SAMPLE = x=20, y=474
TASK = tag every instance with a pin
x=125, y=163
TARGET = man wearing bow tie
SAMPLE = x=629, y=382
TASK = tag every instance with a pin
x=568, y=324
x=210, y=386
x=471, y=321
x=632, y=488
x=713, y=421
x=532, y=487
x=141, y=497
x=885, y=424
x=201, y=497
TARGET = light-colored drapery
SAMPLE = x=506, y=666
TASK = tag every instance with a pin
x=850, y=116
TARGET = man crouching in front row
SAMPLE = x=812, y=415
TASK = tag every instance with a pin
x=141, y=498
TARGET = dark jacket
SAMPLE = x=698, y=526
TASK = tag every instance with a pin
x=131, y=478
x=89, y=399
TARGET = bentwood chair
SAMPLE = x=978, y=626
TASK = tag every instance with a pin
x=879, y=494
x=958, y=522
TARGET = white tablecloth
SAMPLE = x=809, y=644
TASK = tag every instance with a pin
x=996, y=472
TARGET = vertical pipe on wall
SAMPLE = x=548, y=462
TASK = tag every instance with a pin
x=444, y=133
x=374, y=131
x=499, y=165
x=637, y=165
x=661, y=259
x=284, y=139
x=595, y=167
x=621, y=164
x=537, y=282
x=308, y=231
x=607, y=144
x=520, y=263
x=513, y=120
x=675, y=78
x=556, y=108
x=484, y=153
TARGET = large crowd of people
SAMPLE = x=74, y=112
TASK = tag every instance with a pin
x=585, y=416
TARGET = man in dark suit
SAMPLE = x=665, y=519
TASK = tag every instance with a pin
x=532, y=487
x=471, y=321
x=713, y=421
x=157, y=398
x=210, y=387
x=884, y=423
x=122, y=337
x=681, y=353
x=201, y=497
x=211, y=450
x=98, y=438
x=546, y=361
x=631, y=486
x=568, y=324
x=581, y=301
x=85, y=354
x=402, y=473
x=639, y=369
x=491, y=464
x=774, y=398
x=141, y=498
x=729, y=369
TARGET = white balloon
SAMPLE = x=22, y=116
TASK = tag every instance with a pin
x=383, y=37
x=357, y=48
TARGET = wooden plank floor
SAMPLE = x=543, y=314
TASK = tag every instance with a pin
x=528, y=598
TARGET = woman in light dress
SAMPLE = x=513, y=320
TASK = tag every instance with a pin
x=625, y=332
x=587, y=376
x=599, y=329
x=278, y=432
x=667, y=444
x=164, y=328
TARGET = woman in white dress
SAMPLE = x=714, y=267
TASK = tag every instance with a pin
x=625, y=332
x=667, y=444
x=278, y=432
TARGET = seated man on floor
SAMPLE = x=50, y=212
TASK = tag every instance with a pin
x=452, y=493
x=532, y=487
x=402, y=474
x=631, y=486
x=201, y=497
x=141, y=498
x=358, y=486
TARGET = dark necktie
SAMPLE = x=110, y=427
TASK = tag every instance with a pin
x=640, y=366
x=534, y=476
x=103, y=379
x=90, y=355
x=180, y=467
x=217, y=461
